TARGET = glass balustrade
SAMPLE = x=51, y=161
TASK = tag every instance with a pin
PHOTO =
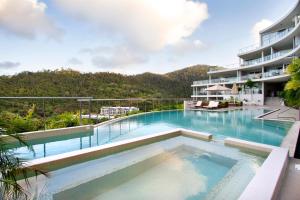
x=266, y=40
x=273, y=73
x=273, y=37
x=266, y=58
x=251, y=76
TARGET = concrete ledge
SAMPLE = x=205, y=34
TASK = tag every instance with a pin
x=129, y=116
x=51, y=163
x=267, y=181
x=290, y=140
x=47, y=133
x=253, y=146
x=197, y=135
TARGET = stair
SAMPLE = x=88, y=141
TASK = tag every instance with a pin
x=273, y=101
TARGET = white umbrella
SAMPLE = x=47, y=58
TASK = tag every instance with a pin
x=218, y=88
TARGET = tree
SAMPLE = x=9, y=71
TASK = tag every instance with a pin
x=250, y=84
x=292, y=87
x=12, y=169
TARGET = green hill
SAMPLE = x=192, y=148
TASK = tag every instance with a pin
x=103, y=84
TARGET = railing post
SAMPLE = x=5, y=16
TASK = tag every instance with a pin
x=80, y=112
x=90, y=107
x=44, y=114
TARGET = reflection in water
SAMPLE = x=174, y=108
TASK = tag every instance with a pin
x=239, y=124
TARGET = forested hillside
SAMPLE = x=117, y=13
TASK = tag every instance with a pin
x=102, y=84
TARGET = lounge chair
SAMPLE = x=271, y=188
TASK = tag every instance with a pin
x=212, y=105
x=198, y=104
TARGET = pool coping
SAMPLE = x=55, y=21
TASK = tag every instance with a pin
x=268, y=179
x=129, y=116
x=47, y=133
x=264, y=185
x=53, y=162
x=291, y=138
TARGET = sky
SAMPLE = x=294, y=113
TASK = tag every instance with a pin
x=130, y=36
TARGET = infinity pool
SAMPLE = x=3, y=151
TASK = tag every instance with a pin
x=238, y=124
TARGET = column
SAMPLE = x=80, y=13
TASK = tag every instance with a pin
x=262, y=56
x=263, y=92
x=272, y=52
x=262, y=72
x=207, y=93
x=209, y=78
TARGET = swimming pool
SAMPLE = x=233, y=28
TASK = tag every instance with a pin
x=176, y=168
x=238, y=124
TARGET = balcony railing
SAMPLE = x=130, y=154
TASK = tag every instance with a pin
x=251, y=76
x=203, y=82
x=273, y=73
x=199, y=93
x=273, y=38
x=266, y=58
x=270, y=73
x=218, y=80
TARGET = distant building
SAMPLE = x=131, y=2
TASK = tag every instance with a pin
x=264, y=63
x=111, y=111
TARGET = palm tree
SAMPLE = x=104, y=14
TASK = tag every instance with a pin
x=13, y=169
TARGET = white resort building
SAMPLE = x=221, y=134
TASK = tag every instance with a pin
x=264, y=64
x=112, y=111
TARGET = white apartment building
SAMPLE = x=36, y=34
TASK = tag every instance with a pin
x=264, y=64
x=112, y=111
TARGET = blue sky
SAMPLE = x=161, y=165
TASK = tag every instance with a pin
x=129, y=36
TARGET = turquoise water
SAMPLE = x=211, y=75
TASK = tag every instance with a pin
x=181, y=174
x=238, y=124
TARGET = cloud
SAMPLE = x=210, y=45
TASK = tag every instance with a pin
x=9, y=64
x=187, y=47
x=75, y=61
x=26, y=18
x=114, y=56
x=146, y=24
x=259, y=26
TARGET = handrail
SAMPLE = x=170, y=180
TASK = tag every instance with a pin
x=282, y=117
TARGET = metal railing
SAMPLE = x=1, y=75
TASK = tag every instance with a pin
x=48, y=107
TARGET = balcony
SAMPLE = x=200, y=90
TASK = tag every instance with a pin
x=199, y=93
x=266, y=58
x=218, y=80
x=267, y=40
x=203, y=82
x=251, y=76
x=272, y=73
x=273, y=37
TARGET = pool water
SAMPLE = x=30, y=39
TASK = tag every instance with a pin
x=170, y=175
x=176, y=168
x=238, y=124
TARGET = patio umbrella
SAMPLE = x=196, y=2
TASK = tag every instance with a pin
x=217, y=88
x=234, y=91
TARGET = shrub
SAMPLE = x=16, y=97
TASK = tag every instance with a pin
x=63, y=120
